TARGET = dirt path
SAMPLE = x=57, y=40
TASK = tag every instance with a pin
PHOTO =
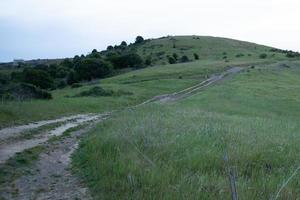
x=49, y=177
x=194, y=89
x=16, y=130
x=12, y=147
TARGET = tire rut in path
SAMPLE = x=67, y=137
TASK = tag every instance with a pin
x=50, y=176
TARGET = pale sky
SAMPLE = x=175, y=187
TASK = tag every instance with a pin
x=63, y=28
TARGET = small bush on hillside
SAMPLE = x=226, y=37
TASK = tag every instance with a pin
x=175, y=56
x=263, y=56
x=184, y=58
x=23, y=91
x=196, y=56
x=126, y=60
x=99, y=91
x=239, y=55
x=171, y=60
x=291, y=54
x=76, y=85
x=95, y=91
x=148, y=61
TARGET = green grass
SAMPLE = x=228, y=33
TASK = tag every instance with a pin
x=175, y=151
x=144, y=84
x=208, y=48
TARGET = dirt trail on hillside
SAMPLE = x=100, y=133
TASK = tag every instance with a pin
x=194, y=89
x=49, y=177
x=12, y=147
x=16, y=130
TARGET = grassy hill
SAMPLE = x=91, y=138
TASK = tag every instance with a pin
x=212, y=48
x=175, y=150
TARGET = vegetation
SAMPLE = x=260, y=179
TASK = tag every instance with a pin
x=176, y=151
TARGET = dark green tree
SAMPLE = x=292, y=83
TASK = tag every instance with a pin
x=37, y=77
x=139, y=39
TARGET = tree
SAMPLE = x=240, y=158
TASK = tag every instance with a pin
x=139, y=39
x=76, y=59
x=123, y=43
x=67, y=63
x=126, y=60
x=37, y=77
x=90, y=68
x=94, y=51
x=109, y=48
x=196, y=56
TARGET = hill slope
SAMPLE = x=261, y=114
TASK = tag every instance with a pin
x=205, y=46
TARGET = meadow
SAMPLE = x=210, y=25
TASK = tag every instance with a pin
x=144, y=84
x=176, y=150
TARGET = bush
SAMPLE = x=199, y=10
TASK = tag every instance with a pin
x=90, y=68
x=175, y=56
x=239, y=55
x=95, y=91
x=171, y=60
x=263, y=56
x=99, y=91
x=76, y=85
x=4, y=79
x=127, y=60
x=184, y=59
x=196, y=56
x=291, y=54
x=37, y=77
x=148, y=61
x=23, y=91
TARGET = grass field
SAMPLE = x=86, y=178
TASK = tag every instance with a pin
x=144, y=84
x=176, y=150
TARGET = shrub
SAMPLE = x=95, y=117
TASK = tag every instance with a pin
x=90, y=68
x=175, y=56
x=239, y=55
x=95, y=91
x=263, y=56
x=127, y=60
x=291, y=54
x=37, y=77
x=23, y=91
x=171, y=60
x=148, y=61
x=184, y=58
x=76, y=85
x=196, y=56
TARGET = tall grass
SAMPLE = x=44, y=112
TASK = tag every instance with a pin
x=176, y=151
